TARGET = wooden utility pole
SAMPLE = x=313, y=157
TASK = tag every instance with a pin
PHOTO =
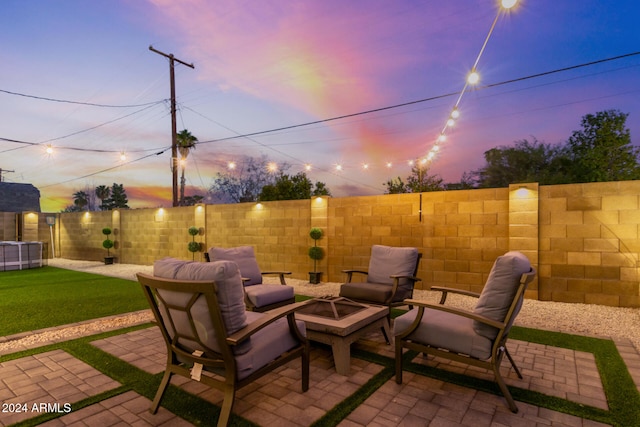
x=174, y=130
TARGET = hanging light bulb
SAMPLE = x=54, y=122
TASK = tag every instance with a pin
x=442, y=137
x=272, y=167
x=389, y=164
x=508, y=4
x=231, y=165
x=338, y=167
x=451, y=122
x=455, y=113
x=49, y=149
x=307, y=167
x=473, y=77
x=123, y=156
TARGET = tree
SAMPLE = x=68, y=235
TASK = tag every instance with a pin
x=602, y=150
x=118, y=199
x=418, y=182
x=245, y=182
x=193, y=200
x=103, y=192
x=524, y=162
x=80, y=200
x=294, y=187
x=185, y=143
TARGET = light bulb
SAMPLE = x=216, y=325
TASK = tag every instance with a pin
x=473, y=78
x=508, y=4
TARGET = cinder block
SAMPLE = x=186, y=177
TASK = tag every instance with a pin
x=601, y=299
x=619, y=202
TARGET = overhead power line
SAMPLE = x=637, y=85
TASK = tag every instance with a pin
x=91, y=104
x=418, y=101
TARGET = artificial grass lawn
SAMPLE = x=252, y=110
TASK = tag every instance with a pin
x=44, y=297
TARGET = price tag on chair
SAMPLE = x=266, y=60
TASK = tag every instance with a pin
x=196, y=371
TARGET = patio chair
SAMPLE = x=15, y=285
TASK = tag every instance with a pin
x=477, y=337
x=258, y=296
x=389, y=280
x=209, y=335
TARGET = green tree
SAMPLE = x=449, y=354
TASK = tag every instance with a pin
x=103, y=192
x=185, y=143
x=524, y=162
x=294, y=187
x=118, y=199
x=419, y=181
x=80, y=200
x=602, y=150
x=243, y=183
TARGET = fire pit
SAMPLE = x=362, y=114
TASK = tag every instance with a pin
x=332, y=307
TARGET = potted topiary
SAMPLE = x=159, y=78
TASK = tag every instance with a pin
x=315, y=253
x=107, y=244
x=193, y=246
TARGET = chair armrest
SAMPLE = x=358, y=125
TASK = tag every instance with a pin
x=279, y=273
x=412, y=278
x=351, y=272
x=453, y=310
x=445, y=291
x=268, y=318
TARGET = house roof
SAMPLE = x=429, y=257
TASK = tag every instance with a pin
x=19, y=197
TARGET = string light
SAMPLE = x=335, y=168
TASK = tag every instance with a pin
x=231, y=165
x=49, y=149
x=472, y=79
x=123, y=156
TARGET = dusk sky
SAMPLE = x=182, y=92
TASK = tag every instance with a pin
x=271, y=64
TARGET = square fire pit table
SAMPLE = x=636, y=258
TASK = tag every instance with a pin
x=340, y=322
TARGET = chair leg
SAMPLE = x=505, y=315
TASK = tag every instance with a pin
x=166, y=378
x=305, y=367
x=505, y=391
x=398, y=361
x=227, y=406
x=515, y=368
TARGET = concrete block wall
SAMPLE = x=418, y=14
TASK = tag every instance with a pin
x=278, y=231
x=589, y=243
x=583, y=239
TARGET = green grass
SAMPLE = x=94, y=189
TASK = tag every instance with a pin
x=48, y=296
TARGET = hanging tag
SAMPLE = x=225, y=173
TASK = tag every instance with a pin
x=196, y=371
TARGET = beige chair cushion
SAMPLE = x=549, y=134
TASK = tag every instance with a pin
x=499, y=290
x=386, y=261
x=245, y=257
x=229, y=292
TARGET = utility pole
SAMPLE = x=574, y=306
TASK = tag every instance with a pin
x=174, y=130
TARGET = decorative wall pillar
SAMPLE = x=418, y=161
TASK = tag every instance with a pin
x=524, y=227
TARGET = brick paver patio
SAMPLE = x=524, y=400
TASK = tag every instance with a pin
x=56, y=377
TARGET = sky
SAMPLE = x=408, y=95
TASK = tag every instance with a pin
x=364, y=85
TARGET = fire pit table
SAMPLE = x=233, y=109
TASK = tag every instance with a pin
x=339, y=322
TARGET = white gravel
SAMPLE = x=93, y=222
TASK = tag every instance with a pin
x=581, y=319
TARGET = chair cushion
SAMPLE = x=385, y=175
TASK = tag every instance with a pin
x=265, y=294
x=386, y=261
x=267, y=344
x=499, y=290
x=245, y=257
x=230, y=299
x=376, y=293
x=445, y=330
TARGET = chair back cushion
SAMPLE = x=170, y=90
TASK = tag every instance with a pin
x=386, y=261
x=229, y=292
x=499, y=290
x=245, y=257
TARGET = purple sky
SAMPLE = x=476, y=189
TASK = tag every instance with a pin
x=275, y=63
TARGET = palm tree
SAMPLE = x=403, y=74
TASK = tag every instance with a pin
x=103, y=192
x=185, y=143
x=80, y=200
